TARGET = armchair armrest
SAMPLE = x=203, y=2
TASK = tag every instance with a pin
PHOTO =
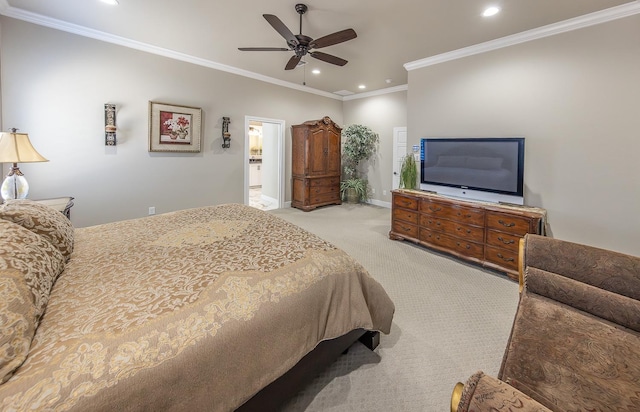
x=485, y=393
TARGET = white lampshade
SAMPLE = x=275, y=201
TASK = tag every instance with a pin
x=16, y=148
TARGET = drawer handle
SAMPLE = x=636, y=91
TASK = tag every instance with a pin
x=503, y=223
x=468, y=231
x=406, y=229
x=435, y=209
x=406, y=202
x=505, y=259
x=507, y=241
x=467, y=215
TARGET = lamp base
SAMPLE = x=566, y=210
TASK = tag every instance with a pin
x=15, y=185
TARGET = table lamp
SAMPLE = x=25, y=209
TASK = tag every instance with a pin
x=16, y=148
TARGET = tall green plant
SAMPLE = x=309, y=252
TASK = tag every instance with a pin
x=409, y=172
x=360, y=143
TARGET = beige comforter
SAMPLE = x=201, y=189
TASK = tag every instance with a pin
x=192, y=310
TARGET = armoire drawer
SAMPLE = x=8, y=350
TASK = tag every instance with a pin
x=325, y=181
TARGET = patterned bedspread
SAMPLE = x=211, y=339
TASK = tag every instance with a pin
x=191, y=310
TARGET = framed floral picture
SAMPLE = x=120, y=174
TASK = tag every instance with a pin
x=174, y=128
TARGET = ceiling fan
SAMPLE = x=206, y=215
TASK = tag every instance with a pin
x=302, y=45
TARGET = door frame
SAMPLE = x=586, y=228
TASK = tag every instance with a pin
x=279, y=161
x=396, y=154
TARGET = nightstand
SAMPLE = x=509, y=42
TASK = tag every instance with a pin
x=62, y=204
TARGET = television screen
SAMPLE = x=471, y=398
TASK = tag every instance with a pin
x=485, y=168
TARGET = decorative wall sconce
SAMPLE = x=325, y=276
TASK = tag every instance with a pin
x=110, y=124
x=226, y=136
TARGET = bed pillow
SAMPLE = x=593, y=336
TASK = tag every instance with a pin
x=29, y=266
x=42, y=220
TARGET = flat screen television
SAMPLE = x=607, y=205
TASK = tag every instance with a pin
x=479, y=168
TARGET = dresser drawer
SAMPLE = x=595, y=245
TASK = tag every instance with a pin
x=505, y=258
x=325, y=181
x=405, y=228
x=406, y=202
x=462, y=214
x=466, y=232
x=453, y=244
x=406, y=215
x=324, y=197
x=517, y=225
x=503, y=240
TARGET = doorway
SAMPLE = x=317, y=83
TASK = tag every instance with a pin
x=264, y=163
x=399, y=152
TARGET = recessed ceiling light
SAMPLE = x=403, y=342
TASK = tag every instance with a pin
x=362, y=86
x=315, y=71
x=491, y=11
x=112, y=2
x=388, y=81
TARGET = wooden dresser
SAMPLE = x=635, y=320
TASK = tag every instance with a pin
x=483, y=233
x=315, y=166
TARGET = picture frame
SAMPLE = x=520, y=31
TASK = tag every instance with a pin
x=174, y=128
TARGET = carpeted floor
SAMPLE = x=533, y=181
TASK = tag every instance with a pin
x=451, y=319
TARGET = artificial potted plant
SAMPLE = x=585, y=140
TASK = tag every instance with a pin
x=360, y=143
x=409, y=172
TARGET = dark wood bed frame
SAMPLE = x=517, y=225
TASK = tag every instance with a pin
x=284, y=388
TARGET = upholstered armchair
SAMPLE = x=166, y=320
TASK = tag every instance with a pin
x=575, y=340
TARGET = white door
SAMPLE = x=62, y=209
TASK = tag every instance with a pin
x=399, y=152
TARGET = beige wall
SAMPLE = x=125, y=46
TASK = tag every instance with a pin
x=55, y=85
x=381, y=113
x=575, y=97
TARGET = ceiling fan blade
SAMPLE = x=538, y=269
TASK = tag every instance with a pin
x=328, y=58
x=284, y=31
x=334, y=38
x=263, y=49
x=292, y=63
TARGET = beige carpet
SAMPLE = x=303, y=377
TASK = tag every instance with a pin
x=451, y=320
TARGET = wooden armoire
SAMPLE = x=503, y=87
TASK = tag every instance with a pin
x=315, y=167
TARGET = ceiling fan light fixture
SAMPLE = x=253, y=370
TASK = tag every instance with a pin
x=303, y=45
x=491, y=11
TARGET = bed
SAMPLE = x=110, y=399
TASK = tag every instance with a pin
x=200, y=309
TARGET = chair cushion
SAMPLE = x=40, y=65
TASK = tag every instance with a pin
x=29, y=266
x=572, y=359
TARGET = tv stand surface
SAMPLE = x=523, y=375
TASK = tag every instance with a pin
x=480, y=232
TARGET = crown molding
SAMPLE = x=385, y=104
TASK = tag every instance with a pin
x=20, y=14
x=591, y=19
x=378, y=92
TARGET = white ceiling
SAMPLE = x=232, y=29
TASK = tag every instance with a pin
x=390, y=32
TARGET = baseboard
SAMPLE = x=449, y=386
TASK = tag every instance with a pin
x=380, y=203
